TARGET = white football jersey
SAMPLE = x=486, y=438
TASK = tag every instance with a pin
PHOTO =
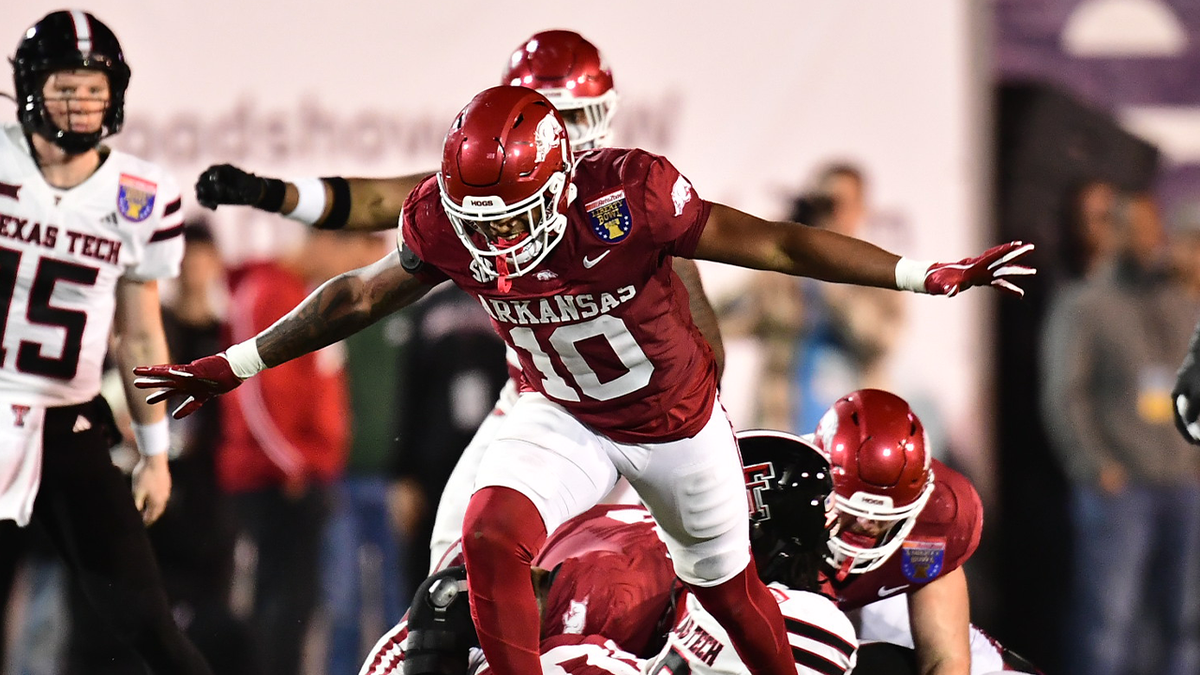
x=822, y=638
x=61, y=254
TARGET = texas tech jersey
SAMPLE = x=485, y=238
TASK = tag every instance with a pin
x=61, y=254
x=602, y=326
x=946, y=534
x=821, y=637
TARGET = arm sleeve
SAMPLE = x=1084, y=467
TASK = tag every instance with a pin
x=162, y=236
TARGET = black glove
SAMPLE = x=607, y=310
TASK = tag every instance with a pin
x=1185, y=399
x=227, y=184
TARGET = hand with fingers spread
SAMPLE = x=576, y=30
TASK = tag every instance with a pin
x=199, y=380
x=993, y=268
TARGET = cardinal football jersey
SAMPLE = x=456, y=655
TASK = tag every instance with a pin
x=61, y=254
x=946, y=534
x=614, y=578
x=602, y=326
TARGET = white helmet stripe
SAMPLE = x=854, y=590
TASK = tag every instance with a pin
x=83, y=31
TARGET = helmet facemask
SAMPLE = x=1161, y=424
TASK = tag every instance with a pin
x=71, y=141
x=543, y=215
x=587, y=118
x=855, y=553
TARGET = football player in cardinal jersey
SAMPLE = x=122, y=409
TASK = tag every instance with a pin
x=572, y=262
x=605, y=571
x=569, y=71
x=86, y=232
x=906, y=524
x=611, y=594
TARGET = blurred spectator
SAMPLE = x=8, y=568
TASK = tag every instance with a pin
x=285, y=440
x=365, y=582
x=1185, y=249
x=818, y=340
x=1089, y=239
x=453, y=371
x=1110, y=345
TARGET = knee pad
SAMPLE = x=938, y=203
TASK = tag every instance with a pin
x=440, y=631
x=713, y=569
x=711, y=562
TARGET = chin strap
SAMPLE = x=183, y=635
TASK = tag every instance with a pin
x=503, y=282
x=844, y=570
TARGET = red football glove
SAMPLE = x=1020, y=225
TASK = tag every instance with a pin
x=992, y=268
x=199, y=380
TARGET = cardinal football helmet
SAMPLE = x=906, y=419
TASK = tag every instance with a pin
x=788, y=487
x=879, y=456
x=68, y=40
x=570, y=72
x=507, y=156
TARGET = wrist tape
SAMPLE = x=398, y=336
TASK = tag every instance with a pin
x=910, y=274
x=152, y=439
x=311, y=203
x=244, y=360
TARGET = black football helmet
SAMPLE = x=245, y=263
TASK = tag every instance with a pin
x=788, y=487
x=440, y=631
x=63, y=40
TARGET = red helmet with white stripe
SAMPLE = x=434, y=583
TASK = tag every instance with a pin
x=506, y=160
x=879, y=457
x=570, y=72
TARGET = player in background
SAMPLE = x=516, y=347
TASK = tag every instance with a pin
x=906, y=523
x=86, y=232
x=607, y=592
x=569, y=71
x=572, y=261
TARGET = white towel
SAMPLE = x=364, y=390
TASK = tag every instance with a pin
x=20, y=459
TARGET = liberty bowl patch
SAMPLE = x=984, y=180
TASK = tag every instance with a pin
x=135, y=197
x=609, y=216
x=921, y=561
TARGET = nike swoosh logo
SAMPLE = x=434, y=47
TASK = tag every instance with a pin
x=884, y=591
x=589, y=263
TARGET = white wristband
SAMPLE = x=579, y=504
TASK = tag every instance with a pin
x=311, y=203
x=244, y=360
x=152, y=439
x=910, y=274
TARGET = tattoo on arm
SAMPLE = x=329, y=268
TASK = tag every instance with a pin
x=341, y=307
